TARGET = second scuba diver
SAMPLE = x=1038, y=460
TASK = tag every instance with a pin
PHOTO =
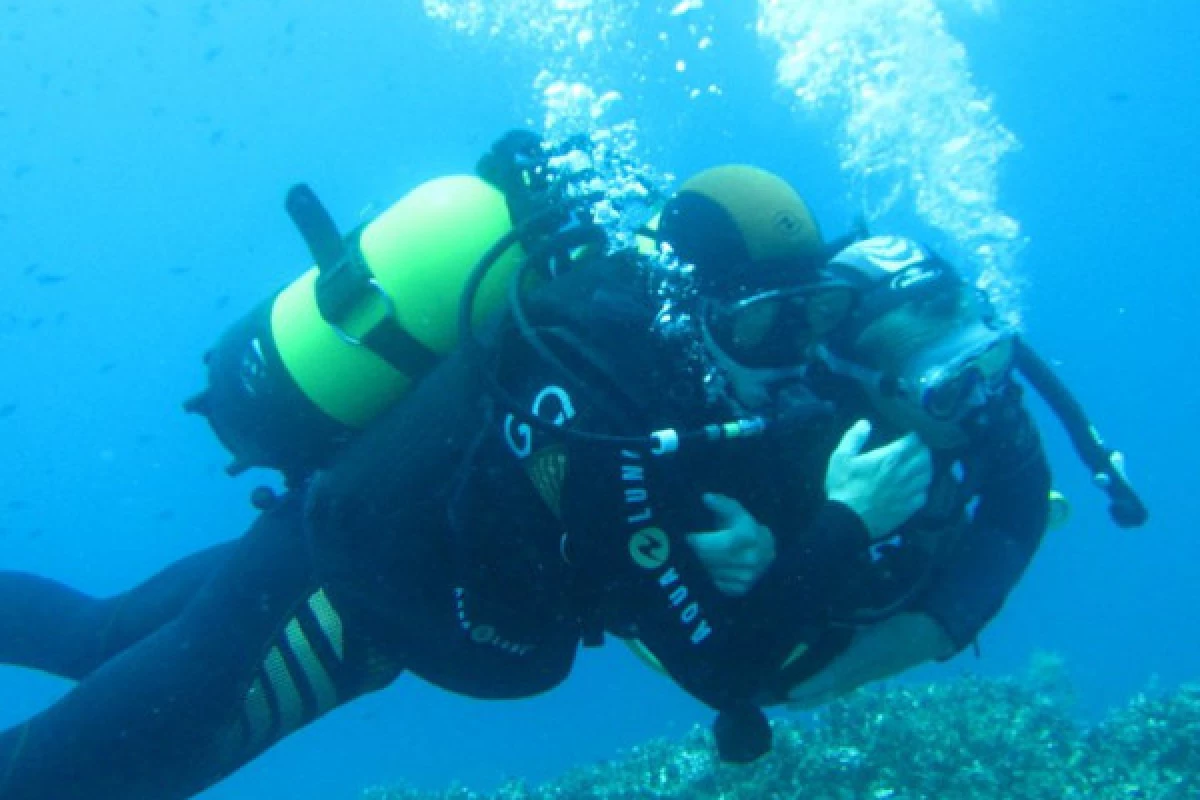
x=564, y=481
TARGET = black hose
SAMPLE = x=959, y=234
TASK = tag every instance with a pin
x=1125, y=508
x=476, y=353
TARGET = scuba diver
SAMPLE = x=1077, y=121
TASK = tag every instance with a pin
x=918, y=354
x=516, y=484
x=922, y=351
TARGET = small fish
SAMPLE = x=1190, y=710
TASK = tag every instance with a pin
x=210, y=55
x=1118, y=97
x=216, y=137
x=49, y=278
x=7, y=410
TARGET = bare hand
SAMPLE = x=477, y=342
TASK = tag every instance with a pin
x=884, y=486
x=738, y=551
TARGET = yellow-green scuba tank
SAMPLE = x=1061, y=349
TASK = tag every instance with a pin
x=312, y=365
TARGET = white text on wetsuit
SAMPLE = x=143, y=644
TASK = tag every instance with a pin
x=654, y=551
x=485, y=634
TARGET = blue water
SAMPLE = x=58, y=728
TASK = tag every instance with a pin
x=144, y=152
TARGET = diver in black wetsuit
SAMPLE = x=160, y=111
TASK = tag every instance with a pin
x=921, y=351
x=476, y=537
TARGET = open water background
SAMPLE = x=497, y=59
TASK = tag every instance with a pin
x=144, y=152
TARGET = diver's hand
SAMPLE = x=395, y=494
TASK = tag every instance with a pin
x=885, y=486
x=738, y=551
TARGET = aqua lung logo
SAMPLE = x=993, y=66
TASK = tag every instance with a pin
x=551, y=403
x=650, y=549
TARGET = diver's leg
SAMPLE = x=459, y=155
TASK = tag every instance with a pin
x=259, y=652
x=54, y=628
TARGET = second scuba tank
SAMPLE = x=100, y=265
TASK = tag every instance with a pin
x=299, y=375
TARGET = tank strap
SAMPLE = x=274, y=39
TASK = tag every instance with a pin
x=344, y=283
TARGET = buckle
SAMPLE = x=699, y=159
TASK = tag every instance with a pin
x=342, y=290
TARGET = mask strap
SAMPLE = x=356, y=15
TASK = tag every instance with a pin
x=886, y=384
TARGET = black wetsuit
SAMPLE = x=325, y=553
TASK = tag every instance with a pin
x=453, y=542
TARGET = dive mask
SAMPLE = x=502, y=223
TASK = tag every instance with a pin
x=774, y=329
x=960, y=373
x=953, y=376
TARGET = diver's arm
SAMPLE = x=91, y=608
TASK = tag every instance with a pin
x=1005, y=532
x=868, y=495
x=969, y=589
x=811, y=563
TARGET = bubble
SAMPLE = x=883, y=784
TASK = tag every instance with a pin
x=915, y=132
x=685, y=6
